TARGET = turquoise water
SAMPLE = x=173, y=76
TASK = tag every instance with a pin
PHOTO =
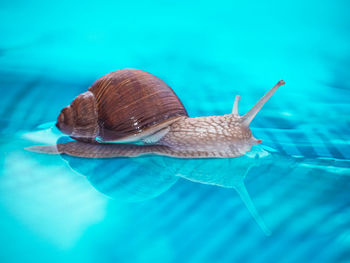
x=285, y=201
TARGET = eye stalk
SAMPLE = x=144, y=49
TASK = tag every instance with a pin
x=65, y=121
x=249, y=116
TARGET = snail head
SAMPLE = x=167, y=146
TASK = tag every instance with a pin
x=247, y=118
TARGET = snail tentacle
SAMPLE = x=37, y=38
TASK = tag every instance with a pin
x=249, y=116
x=235, y=105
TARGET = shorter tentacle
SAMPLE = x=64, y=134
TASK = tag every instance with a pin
x=235, y=105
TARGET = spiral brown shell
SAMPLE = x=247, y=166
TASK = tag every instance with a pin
x=128, y=104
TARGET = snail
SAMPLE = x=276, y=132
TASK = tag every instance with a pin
x=130, y=112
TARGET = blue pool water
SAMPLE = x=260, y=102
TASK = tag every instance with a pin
x=285, y=201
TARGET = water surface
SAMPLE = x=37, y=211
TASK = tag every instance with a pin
x=287, y=200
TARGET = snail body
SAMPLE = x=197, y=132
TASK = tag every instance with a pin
x=131, y=105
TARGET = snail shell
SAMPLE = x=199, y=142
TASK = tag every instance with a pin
x=124, y=105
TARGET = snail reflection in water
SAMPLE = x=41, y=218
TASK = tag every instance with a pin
x=131, y=105
x=139, y=179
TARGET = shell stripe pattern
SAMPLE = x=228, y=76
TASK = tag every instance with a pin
x=130, y=101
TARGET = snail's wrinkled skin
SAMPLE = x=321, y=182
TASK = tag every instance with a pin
x=215, y=136
x=169, y=133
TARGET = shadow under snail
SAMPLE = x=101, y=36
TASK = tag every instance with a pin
x=131, y=105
